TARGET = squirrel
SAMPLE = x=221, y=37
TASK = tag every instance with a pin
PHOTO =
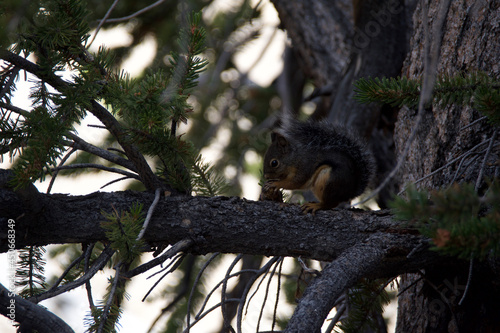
x=316, y=156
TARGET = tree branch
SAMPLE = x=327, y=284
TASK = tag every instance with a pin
x=96, y=166
x=146, y=174
x=220, y=224
x=30, y=315
x=335, y=279
x=99, y=264
x=81, y=144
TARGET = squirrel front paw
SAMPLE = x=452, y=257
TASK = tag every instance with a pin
x=270, y=193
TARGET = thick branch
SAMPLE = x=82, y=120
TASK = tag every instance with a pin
x=227, y=225
x=30, y=315
x=334, y=280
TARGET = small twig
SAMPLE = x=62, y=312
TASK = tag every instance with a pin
x=411, y=284
x=99, y=263
x=88, y=254
x=485, y=159
x=230, y=300
x=101, y=22
x=175, y=249
x=278, y=287
x=107, y=307
x=416, y=249
x=137, y=13
x=173, y=268
x=336, y=318
x=258, y=286
x=471, y=161
x=325, y=90
x=447, y=164
x=117, y=150
x=266, y=294
x=214, y=289
x=339, y=300
x=97, y=166
x=225, y=319
x=64, y=159
x=103, y=153
x=97, y=126
x=473, y=123
x=66, y=271
x=469, y=278
x=193, y=288
x=180, y=295
x=114, y=181
x=264, y=269
x=15, y=109
x=307, y=269
x=150, y=213
x=178, y=256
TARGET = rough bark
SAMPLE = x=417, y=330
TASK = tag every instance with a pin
x=470, y=42
x=30, y=314
x=220, y=224
x=339, y=275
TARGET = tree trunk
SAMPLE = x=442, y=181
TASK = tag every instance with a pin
x=470, y=43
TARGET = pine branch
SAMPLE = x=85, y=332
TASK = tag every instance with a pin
x=478, y=89
x=98, y=265
x=459, y=221
x=366, y=301
x=205, y=180
x=30, y=271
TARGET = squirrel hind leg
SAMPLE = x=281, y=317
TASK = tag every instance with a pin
x=313, y=207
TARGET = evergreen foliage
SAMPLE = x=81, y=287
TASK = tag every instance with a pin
x=206, y=180
x=477, y=89
x=30, y=271
x=55, y=36
x=153, y=108
x=459, y=221
x=122, y=230
x=104, y=317
x=365, y=302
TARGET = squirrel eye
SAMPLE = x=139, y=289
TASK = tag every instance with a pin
x=274, y=163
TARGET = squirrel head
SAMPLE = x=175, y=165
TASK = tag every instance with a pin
x=276, y=164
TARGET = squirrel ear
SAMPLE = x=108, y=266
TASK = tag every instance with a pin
x=279, y=139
